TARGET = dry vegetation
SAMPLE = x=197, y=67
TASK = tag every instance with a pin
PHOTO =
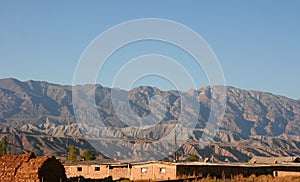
x=253, y=178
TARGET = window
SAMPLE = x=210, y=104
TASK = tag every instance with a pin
x=144, y=169
x=97, y=168
x=79, y=168
x=162, y=170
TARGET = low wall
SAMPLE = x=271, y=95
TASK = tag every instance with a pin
x=286, y=173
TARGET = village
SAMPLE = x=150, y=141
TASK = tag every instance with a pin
x=28, y=167
x=87, y=167
x=165, y=171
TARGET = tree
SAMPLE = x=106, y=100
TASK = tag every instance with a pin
x=3, y=146
x=193, y=158
x=88, y=155
x=73, y=153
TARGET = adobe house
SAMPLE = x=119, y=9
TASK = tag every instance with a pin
x=133, y=171
x=282, y=166
x=29, y=168
x=94, y=170
x=160, y=171
x=153, y=171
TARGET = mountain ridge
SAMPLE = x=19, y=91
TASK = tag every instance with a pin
x=98, y=84
x=34, y=113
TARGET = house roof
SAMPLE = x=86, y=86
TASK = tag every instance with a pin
x=274, y=160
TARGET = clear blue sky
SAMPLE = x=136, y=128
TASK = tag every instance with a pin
x=257, y=42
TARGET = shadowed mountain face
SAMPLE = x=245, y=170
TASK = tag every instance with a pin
x=39, y=117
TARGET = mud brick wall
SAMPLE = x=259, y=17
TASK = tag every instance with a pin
x=9, y=164
x=153, y=172
x=117, y=172
x=88, y=171
x=286, y=173
x=28, y=168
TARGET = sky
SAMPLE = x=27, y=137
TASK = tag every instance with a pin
x=256, y=42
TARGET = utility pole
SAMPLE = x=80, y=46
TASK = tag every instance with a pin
x=67, y=139
x=175, y=145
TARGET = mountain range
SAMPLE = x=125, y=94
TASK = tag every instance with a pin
x=40, y=117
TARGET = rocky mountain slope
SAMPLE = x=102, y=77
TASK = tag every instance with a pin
x=39, y=117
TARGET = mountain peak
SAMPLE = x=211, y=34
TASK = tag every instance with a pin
x=45, y=109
